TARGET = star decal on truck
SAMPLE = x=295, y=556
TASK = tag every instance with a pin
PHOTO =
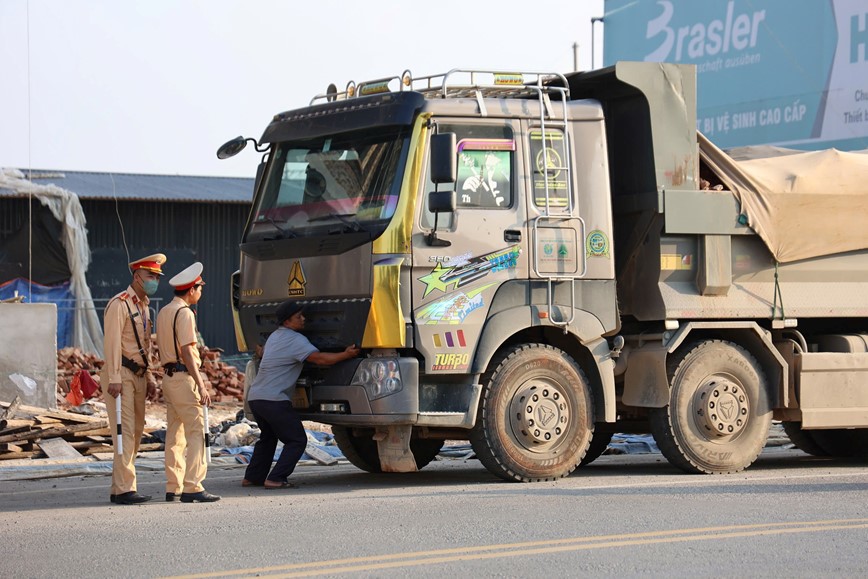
x=449, y=278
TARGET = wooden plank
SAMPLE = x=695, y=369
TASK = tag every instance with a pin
x=16, y=430
x=53, y=432
x=47, y=420
x=9, y=447
x=7, y=414
x=80, y=444
x=320, y=455
x=99, y=449
x=58, y=448
x=36, y=411
x=24, y=454
x=99, y=432
x=148, y=450
x=48, y=462
x=13, y=423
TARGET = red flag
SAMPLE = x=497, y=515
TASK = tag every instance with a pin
x=89, y=387
x=74, y=396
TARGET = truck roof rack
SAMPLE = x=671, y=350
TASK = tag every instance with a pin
x=457, y=83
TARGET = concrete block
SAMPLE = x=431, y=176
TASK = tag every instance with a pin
x=28, y=346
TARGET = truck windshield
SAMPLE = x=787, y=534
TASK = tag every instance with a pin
x=345, y=182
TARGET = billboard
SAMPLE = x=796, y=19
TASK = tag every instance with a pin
x=792, y=73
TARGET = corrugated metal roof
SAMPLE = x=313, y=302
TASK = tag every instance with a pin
x=128, y=186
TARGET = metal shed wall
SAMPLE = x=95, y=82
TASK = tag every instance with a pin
x=185, y=231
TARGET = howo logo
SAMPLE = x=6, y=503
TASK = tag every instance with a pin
x=727, y=409
x=544, y=415
x=698, y=40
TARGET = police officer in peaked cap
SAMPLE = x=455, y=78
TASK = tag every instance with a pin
x=126, y=372
x=184, y=390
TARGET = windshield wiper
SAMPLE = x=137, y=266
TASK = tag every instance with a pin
x=284, y=233
x=344, y=218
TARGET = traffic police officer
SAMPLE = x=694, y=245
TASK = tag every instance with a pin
x=127, y=347
x=184, y=391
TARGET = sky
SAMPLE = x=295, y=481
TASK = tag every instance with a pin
x=157, y=86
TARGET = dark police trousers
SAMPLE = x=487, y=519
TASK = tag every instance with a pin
x=277, y=420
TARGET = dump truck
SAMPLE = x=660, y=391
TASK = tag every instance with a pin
x=534, y=261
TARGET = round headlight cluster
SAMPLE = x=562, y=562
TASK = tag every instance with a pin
x=380, y=377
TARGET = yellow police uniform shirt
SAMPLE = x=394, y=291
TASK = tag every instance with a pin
x=118, y=330
x=185, y=329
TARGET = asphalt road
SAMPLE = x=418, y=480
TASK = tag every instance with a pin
x=788, y=515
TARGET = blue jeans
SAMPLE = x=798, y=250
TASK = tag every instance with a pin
x=277, y=421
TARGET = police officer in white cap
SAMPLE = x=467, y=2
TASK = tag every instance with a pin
x=184, y=391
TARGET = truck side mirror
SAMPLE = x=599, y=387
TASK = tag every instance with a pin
x=232, y=148
x=444, y=166
x=440, y=202
x=443, y=169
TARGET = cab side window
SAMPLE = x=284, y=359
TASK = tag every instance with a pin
x=486, y=159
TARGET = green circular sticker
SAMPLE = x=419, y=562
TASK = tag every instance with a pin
x=597, y=244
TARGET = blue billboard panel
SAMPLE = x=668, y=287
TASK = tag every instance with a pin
x=786, y=72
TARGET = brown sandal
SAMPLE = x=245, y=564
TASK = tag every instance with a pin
x=283, y=485
x=250, y=483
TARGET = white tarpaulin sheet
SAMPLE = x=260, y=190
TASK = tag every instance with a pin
x=802, y=205
x=64, y=205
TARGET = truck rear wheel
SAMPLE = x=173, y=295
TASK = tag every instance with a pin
x=535, y=415
x=843, y=442
x=719, y=414
x=362, y=453
x=803, y=439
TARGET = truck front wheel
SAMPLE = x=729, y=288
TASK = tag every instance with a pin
x=535, y=416
x=361, y=449
x=719, y=414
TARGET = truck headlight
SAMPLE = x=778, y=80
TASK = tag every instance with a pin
x=379, y=376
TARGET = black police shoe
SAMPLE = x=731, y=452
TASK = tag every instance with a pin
x=112, y=498
x=131, y=498
x=200, y=497
x=171, y=497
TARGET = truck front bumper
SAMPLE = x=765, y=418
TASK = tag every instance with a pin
x=355, y=405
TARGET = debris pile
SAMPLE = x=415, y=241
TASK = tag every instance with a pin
x=31, y=432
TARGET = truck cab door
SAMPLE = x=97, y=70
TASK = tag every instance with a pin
x=482, y=244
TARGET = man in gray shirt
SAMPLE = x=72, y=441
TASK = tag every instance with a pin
x=270, y=398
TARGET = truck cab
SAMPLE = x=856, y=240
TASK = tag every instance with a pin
x=342, y=221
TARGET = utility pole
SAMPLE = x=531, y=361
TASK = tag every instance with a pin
x=594, y=20
x=576, y=56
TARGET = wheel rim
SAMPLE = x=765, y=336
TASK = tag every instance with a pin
x=540, y=415
x=721, y=408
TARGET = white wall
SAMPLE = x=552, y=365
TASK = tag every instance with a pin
x=28, y=346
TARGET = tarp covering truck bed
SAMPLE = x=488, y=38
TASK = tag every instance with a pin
x=802, y=205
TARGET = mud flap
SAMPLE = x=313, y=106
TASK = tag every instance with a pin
x=393, y=446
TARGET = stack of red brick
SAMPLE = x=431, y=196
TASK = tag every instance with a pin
x=225, y=382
